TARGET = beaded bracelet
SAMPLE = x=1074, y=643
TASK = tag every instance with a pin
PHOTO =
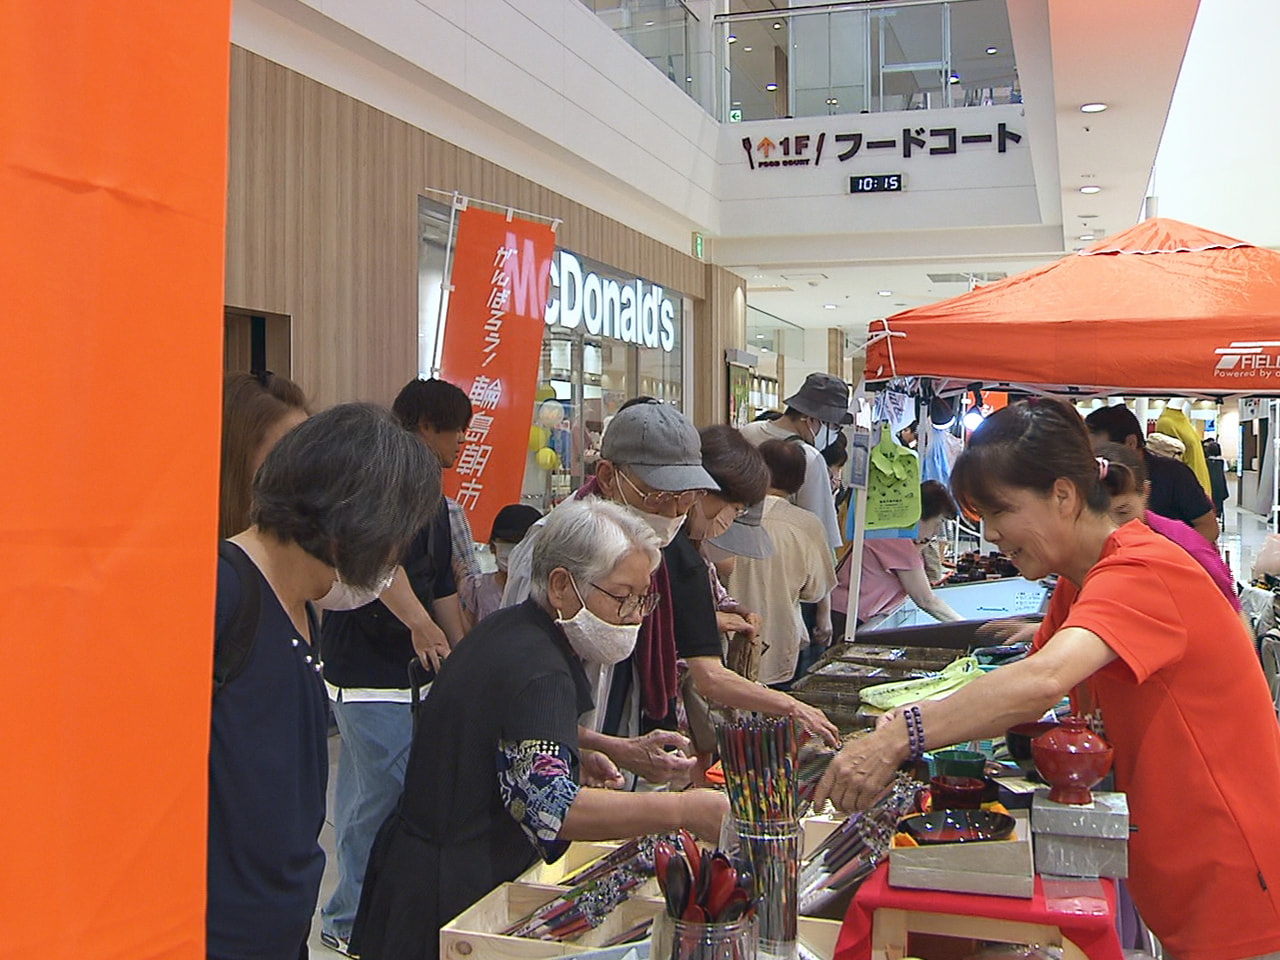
x=915, y=732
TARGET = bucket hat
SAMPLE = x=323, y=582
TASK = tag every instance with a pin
x=824, y=397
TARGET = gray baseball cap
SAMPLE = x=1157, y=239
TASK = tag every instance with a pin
x=746, y=536
x=660, y=446
x=823, y=396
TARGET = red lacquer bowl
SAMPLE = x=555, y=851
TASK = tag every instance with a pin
x=1071, y=758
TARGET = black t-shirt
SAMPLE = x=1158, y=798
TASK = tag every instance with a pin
x=1175, y=491
x=268, y=764
x=513, y=678
x=370, y=647
x=693, y=608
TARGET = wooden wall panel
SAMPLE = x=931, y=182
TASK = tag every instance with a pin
x=322, y=227
x=720, y=321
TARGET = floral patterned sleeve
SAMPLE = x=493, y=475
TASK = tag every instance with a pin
x=537, y=782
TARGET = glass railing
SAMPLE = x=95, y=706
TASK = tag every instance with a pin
x=866, y=57
x=671, y=37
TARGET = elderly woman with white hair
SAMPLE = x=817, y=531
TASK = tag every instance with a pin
x=494, y=774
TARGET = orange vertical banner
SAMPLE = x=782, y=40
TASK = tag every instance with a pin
x=112, y=181
x=492, y=345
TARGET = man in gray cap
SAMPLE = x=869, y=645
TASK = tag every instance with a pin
x=812, y=414
x=651, y=461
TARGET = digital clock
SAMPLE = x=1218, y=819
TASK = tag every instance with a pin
x=876, y=183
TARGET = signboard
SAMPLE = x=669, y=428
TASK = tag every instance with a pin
x=608, y=304
x=492, y=345
x=955, y=169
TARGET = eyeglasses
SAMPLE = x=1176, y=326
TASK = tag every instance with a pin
x=659, y=499
x=628, y=606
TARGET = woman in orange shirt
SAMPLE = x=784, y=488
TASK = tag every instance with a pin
x=1140, y=632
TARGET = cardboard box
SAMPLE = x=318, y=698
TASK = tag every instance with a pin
x=473, y=934
x=1106, y=818
x=1081, y=840
x=1082, y=857
x=1000, y=867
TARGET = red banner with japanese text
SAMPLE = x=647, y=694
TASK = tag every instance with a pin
x=492, y=347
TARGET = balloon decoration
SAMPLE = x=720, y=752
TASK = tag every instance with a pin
x=551, y=413
x=539, y=437
x=547, y=459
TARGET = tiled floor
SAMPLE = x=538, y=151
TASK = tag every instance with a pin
x=1243, y=535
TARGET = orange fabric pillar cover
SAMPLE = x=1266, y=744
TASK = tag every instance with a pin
x=112, y=182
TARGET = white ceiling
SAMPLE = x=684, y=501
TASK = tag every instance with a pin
x=1069, y=52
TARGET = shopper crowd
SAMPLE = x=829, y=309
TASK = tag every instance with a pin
x=557, y=690
x=487, y=719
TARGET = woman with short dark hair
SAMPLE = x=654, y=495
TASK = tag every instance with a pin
x=893, y=570
x=334, y=503
x=1146, y=645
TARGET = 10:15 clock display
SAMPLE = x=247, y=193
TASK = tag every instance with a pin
x=876, y=183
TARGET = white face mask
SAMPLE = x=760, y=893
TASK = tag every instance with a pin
x=343, y=596
x=502, y=554
x=666, y=528
x=597, y=640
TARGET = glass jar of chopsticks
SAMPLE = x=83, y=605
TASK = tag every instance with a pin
x=689, y=940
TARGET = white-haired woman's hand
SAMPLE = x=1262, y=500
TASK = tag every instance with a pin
x=597, y=770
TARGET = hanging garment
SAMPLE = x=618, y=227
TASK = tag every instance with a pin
x=893, y=485
x=1175, y=423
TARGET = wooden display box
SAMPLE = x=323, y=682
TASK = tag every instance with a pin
x=1003, y=868
x=473, y=934
x=819, y=936
x=580, y=854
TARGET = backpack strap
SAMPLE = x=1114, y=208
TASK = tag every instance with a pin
x=233, y=644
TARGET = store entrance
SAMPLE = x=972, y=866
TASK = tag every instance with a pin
x=254, y=340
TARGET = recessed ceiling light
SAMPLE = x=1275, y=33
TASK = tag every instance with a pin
x=764, y=349
x=954, y=78
x=992, y=51
x=777, y=25
x=746, y=49
x=731, y=38
x=688, y=79
x=829, y=306
x=1092, y=107
x=757, y=276
x=759, y=336
x=1086, y=236
x=771, y=86
x=1090, y=189
x=648, y=23
x=885, y=293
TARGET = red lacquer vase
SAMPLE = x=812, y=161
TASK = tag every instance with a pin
x=1071, y=758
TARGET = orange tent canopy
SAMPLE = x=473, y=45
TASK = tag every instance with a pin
x=1161, y=307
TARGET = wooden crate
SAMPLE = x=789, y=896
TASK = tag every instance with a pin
x=579, y=855
x=472, y=935
x=819, y=936
x=1001, y=868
